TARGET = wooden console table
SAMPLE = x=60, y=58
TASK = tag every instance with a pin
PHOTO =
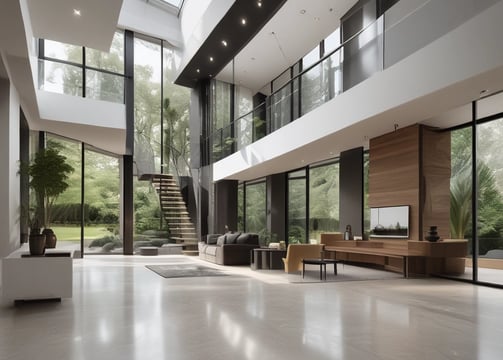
x=26, y=277
x=406, y=256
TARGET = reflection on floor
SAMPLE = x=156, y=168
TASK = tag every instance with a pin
x=122, y=310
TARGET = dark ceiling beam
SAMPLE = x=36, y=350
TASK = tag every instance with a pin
x=228, y=38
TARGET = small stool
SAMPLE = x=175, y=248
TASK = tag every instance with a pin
x=323, y=266
x=149, y=250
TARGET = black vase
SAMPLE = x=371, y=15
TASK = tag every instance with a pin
x=432, y=234
x=36, y=244
x=50, y=238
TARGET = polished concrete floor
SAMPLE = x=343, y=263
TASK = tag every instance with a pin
x=121, y=310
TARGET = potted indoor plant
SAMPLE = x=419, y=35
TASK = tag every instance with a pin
x=49, y=172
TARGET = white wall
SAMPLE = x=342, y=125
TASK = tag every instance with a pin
x=9, y=179
x=445, y=74
x=98, y=123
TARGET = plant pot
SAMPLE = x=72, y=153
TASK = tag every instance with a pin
x=50, y=238
x=37, y=244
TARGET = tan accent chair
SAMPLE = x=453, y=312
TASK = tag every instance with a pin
x=329, y=239
x=296, y=252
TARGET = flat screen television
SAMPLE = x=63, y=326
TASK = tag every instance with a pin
x=389, y=222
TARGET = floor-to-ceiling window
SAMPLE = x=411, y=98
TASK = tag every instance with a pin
x=297, y=207
x=162, y=143
x=323, y=199
x=66, y=212
x=101, y=203
x=255, y=208
x=482, y=166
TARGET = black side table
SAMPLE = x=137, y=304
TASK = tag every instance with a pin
x=323, y=266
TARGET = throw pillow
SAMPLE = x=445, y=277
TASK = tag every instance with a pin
x=230, y=238
x=221, y=240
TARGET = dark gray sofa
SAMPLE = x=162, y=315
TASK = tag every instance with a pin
x=228, y=249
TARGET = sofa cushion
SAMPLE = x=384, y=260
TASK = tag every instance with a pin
x=211, y=250
x=247, y=238
x=230, y=238
x=221, y=240
x=211, y=239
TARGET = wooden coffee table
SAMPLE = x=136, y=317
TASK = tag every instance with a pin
x=322, y=264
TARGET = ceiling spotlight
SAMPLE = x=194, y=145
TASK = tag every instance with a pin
x=211, y=59
x=259, y=3
x=224, y=43
x=484, y=92
x=76, y=12
x=303, y=11
x=243, y=21
x=253, y=58
x=198, y=71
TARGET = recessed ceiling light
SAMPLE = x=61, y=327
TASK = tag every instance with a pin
x=76, y=12
x=243, y=21
x=253, y=58
x=484, y=92
x=224, y=43
x=303, y=11
x=259, y=3
x=198, y=71
x=211, y=58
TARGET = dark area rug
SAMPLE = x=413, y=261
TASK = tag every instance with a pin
x=184, y=270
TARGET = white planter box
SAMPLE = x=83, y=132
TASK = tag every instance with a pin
x=34, y=278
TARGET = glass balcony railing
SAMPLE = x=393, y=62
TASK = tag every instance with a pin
x=377, y=46
x=60, y=78
x=64, y=78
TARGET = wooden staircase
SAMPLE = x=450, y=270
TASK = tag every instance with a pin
x=174, y=210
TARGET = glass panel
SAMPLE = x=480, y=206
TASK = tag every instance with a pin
x=149, y=228
x=323, y=200
x=60, y=78
x=490, y=202
x=221, y=104
x=111, y=61
x=297, y=210
x=333, y=41
x=103, y=86
x=363, y=55
x=101, y=204
x=281, y=109
x=260, y=122
x=366, y=207
x=176, y=105
x=66, y=212
x=312, y=57
x=281, y=80
x=147, y=103
x=461, y=190
x=313, y=92
x=60, y=51
x=243, y=128
x=241, y=203
x=256, y=221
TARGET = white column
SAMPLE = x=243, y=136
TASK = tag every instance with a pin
x=9, y=161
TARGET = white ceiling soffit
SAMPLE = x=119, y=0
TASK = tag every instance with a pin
x=292, y=33
x=94, y=27
x=3, y=72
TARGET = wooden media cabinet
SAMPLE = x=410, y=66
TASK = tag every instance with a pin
x=409, y=257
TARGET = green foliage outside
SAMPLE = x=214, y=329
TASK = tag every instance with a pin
x=102, y=192
x=490, y=186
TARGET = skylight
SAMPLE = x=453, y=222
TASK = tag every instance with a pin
x=173, y=6
x=175, y=3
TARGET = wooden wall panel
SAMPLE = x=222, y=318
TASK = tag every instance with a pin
x=394, y=173
x=412, y=166
x=436, y=176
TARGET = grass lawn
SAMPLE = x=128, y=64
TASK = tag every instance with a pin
x=72, y=233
